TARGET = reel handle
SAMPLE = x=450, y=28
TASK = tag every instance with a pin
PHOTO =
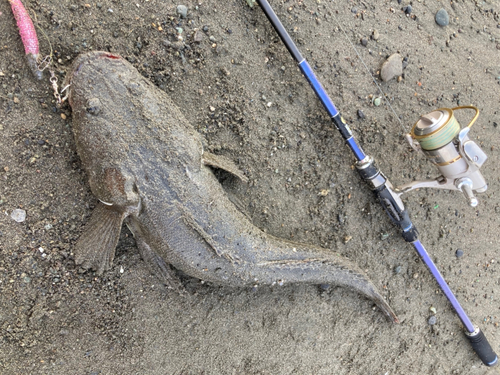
x=482, y=347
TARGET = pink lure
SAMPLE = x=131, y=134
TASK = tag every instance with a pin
x=28, y=35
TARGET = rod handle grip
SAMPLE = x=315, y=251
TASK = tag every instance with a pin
x=482, y=347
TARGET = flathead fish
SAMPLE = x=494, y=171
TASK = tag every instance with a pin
x=147, y=166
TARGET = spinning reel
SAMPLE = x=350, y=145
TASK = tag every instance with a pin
x=439, y=136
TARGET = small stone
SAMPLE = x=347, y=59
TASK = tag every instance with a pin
x=397, y=270
x=375, y=35
x=415, y=275
x=361, y=115
x=377, y=101
x=63, y=116
x=364, y=41
x=405, y=62
x=16, y=100
x=392, y=67
x=18, y=215
x=182, y=10
x=442, y=17
x=354, y=10
x=433, y=310
x=459, y=253
x=198, y=36
x=407, y=9
x=324, y=286
x=432, y=320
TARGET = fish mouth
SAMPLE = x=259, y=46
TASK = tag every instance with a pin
x=89, y=58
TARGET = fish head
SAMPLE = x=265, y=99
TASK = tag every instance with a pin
x=103, y=139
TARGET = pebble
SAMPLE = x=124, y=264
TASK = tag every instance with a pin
x=375, y=35
x=432, y=320
x=182, y=10
x=397, y=270
x=433, y=310
x=407, y=9
x=377, y=101
x=198, y=36
x=392, y=67
x=361, y=115
x=18, y=215
x=442, y=17
x=364, y=41
x=459, y=253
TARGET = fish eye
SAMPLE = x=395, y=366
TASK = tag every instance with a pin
x=93, y=106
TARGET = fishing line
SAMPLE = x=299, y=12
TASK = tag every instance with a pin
x=368, y=71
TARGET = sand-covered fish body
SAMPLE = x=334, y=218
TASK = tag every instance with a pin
x=147, y=166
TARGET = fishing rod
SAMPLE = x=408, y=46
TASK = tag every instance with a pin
x=439, y=136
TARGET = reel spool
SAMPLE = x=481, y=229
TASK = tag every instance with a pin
x=446, y=145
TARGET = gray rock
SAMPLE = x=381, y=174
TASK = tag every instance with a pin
x=182, y=10
x=375, y=35
x=18, y=215
x=459, y=253
x=198, y=36
x=442, y=17
x=392, y=67
x=432, y=320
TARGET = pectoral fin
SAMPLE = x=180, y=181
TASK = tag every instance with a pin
x=221, y=162
x=96, y=246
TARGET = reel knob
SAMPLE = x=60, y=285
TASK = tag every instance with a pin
x=465, y=185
